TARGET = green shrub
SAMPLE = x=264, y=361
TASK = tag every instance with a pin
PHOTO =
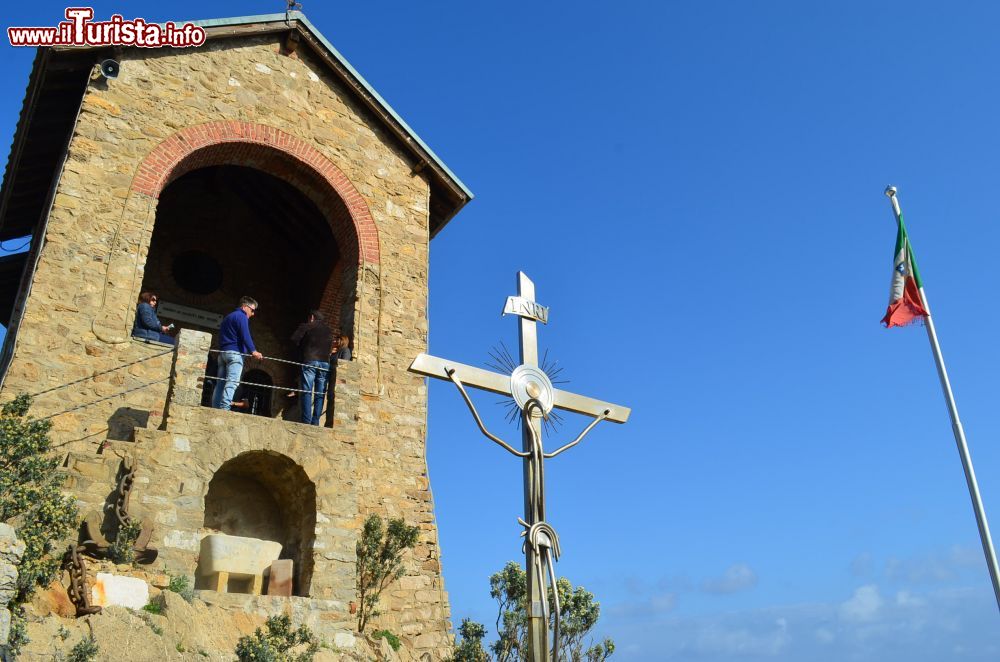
x=181, y=585
x=578, y=611
x=32, y=502
x=393, y=640
x=380, y=561
x=122, y=549
x=154, y=608
x=276, y=644
x=85, y=651
x=470, y=645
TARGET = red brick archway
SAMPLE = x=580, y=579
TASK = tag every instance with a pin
x=280, y=154
x=277, y=153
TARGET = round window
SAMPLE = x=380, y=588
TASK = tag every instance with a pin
x=197, y=272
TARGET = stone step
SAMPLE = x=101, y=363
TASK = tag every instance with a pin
x=92, y=466
x=110, y=446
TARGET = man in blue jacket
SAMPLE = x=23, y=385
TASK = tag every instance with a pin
x=234, y=342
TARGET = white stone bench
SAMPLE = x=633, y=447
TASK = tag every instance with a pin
x=224, y=556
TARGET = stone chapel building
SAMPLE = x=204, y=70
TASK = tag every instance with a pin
x=262, y=164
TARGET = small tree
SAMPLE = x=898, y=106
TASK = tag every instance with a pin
x=509, y=588
x=277, y=644
x=578, y=615
x=32, y=502
x=380, y=561
x=470, y=646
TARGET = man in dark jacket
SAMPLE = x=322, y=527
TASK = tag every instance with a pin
x=314, y=339
x=234, y=343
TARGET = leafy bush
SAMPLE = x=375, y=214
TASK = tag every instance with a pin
x=122, y=549
x=277, y=643
x=577, y=608
x=380, y=561
x=393, y=640
x=153, y=608
x=181, y=585
x=85, y=651
x=32, y=502
x=470, y=645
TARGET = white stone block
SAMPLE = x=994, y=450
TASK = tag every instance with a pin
x=109, y=590
x=343, y=640
x=181, y=540
x=236, y=555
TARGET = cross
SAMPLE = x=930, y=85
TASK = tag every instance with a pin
x=534, y=394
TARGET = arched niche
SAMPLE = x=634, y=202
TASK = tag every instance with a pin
x=266, y=495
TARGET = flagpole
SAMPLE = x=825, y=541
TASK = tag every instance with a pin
x=956, y=426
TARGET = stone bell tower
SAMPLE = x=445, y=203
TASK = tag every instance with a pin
x=259, y=163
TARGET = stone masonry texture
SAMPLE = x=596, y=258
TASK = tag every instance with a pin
x=240, y=102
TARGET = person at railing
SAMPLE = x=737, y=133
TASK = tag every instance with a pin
x=313, y=339
x=147, y=325
x=341, y=349
x=234, y=342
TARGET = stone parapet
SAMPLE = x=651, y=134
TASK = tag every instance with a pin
x=188, y=373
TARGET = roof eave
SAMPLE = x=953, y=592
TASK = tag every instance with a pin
x=458, y=193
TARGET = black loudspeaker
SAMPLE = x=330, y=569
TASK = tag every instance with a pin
x=109, y=69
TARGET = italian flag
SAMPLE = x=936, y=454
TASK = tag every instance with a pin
x=904, y=292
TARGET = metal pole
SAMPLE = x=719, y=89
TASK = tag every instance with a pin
x=959, y=431
x=538, y=631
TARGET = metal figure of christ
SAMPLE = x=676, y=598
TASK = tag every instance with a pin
x=533, y=393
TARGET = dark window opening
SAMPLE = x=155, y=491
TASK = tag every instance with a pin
x=197, y=272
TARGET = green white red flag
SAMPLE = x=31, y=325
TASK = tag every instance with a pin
x=905, y=304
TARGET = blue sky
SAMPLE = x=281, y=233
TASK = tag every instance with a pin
x=696, y=189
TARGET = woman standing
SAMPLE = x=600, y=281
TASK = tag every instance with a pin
x=341, y=349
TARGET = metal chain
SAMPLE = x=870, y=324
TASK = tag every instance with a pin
x=276, y=388
x=94, y=402
x=270, y=358
x=98, y=374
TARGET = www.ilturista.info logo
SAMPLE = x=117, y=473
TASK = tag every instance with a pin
x=80, y=30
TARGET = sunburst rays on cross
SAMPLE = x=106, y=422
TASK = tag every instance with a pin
x=503, y=361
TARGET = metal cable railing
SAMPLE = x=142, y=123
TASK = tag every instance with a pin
x=104, y=372
x=326, y=404
x=270, y=386
x=166, y=379
x=110, y=397
x=269, y=358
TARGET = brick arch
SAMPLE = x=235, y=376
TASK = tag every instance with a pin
x=283, y=155
x=275, y=152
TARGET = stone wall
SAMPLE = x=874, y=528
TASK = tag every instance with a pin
x=239, y=101
x=11, y=550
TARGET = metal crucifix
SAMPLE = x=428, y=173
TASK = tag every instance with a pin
x=535, y=396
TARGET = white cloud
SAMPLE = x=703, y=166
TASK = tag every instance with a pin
x=715, y=639
x=941, y=567
x=664, y=602
x=871, y=626
x=738, y=577
x=861, y=565
x=907, y=599
x=863, y=606
x=645, y=609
